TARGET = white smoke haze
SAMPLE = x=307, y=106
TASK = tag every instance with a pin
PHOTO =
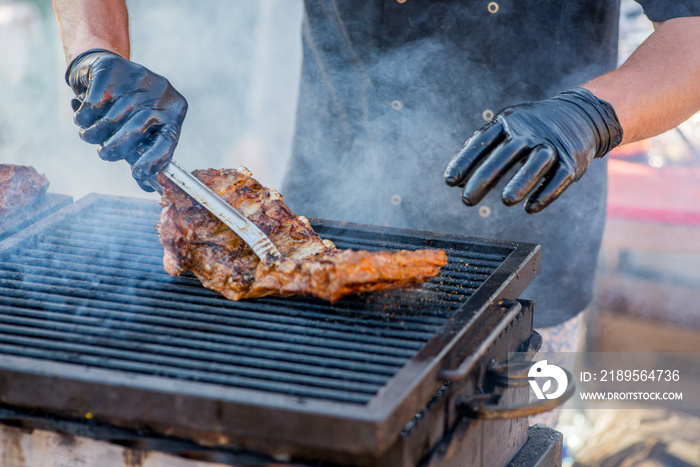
x=236, y=62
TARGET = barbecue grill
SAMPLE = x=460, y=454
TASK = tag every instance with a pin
x=91, y=327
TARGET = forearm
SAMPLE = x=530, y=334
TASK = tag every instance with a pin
x=657, y=87
x=89, y=24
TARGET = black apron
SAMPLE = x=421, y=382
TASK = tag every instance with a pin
x=391, y=90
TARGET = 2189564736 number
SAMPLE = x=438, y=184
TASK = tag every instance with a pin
x=640, y=375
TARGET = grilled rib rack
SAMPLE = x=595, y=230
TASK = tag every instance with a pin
x=91, y=326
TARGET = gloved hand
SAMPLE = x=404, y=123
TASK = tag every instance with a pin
x=129, y=111
x=556, y=139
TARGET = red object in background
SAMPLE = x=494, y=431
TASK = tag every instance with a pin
x=639, y=192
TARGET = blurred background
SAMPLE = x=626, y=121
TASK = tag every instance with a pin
x=649, y=275
x=647, y=287
x=238, y=61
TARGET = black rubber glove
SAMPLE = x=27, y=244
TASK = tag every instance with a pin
x=129, y=111
x=556, y=139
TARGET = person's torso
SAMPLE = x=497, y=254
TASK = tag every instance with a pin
x=391, y=90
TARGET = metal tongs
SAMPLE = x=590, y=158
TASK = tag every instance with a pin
x=233, y=218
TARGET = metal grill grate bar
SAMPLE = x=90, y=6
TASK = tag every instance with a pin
x=62, y=337
x=96, y=278
x=92, y=326
x=150, y=288
x=291, y=351
x=97, y=296
x=200, y=376
x=145, y=320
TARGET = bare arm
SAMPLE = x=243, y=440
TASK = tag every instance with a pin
x=657, y=87
x=127, y=110
x=90, y=24
x=557, y=139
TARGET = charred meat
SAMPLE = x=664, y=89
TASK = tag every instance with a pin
x=195, y=240
x=342, y=272
x=20, y=186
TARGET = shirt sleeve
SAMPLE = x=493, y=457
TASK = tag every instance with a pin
x=661, y=10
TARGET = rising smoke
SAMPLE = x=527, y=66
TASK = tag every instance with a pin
x=236, y=62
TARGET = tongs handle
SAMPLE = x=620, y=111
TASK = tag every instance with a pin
x=234, y=219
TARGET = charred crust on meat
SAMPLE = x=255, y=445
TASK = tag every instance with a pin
x=195, y=240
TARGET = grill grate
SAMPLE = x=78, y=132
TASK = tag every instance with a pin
x=91, y=290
